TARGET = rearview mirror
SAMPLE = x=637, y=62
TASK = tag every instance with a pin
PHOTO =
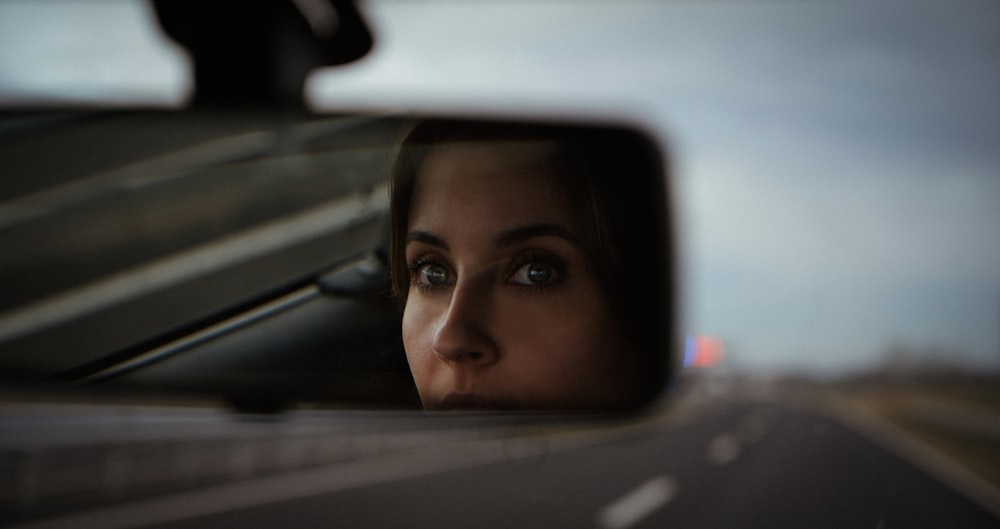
x=414, y=262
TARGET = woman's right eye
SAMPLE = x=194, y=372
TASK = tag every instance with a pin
x=431, y=275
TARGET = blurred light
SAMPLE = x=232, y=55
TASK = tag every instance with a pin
x=703, y=351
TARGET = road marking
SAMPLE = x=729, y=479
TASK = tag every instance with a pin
x=896, y=440
x=638, y=504
x=723, y=449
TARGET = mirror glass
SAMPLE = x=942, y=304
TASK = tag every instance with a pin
x=279, y=259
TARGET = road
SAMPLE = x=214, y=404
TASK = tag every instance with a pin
x=738, y=465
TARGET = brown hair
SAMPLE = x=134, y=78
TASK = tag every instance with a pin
x=613, y=181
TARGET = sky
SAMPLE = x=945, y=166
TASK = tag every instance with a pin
x=100, y=50
x=836, y=166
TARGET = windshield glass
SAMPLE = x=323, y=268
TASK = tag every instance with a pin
x=816, y=263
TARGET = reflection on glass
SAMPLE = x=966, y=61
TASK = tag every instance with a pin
x=519, y=254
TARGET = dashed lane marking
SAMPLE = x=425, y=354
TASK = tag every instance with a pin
x=638, y=504
x=723, y=449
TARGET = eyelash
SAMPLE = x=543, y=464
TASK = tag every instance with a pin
x=538, y=257
x=416, y=266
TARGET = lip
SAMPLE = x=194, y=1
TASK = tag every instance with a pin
x=472, y=402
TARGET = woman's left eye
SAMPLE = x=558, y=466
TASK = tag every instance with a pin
x=536, y=274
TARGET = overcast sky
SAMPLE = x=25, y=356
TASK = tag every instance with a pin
x=838, y=166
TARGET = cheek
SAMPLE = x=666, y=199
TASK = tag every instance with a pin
x=570, y=350
x=554, y=351
x=417, y=333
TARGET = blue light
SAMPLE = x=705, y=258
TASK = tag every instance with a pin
x=690, y=350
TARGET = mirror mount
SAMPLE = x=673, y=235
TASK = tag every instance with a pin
x=259, y=53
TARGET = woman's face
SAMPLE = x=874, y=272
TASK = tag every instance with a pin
x=504, y=310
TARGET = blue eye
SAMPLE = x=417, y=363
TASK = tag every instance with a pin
x=434, y=274
x=430, y=274
x=536, y=274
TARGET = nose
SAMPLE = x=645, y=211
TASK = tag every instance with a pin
x=464, y=333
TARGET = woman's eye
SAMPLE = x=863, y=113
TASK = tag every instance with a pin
x=432, y=274
x=536, y=274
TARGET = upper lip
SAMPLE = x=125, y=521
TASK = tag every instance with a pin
x=472, y=402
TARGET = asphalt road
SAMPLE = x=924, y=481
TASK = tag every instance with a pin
x=740, y=465
x=745, y=467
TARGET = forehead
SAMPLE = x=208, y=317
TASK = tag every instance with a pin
x=490, y=157
x=503, y=182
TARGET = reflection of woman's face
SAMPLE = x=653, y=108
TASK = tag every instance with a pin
x=504, y=310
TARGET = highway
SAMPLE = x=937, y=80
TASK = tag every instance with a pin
x=737, y=464
x=742, y=467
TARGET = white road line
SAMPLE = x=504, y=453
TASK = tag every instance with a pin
x=723, y=449
x=638, y=504
x=898, y=441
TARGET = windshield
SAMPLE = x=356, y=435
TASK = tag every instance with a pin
x=837, y=174
x=832, y=191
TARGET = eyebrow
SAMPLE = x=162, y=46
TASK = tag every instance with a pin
x=506, y=238
x=426, y=237
x=531, y=231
